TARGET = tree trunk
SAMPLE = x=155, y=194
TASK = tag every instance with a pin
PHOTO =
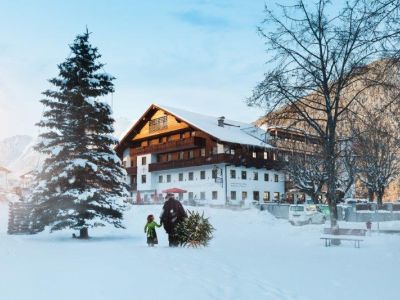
x=331, y=172
x=379, y=196
x=370, y=195
x=84, y=233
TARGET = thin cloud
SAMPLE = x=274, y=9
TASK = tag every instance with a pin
x=201, y=19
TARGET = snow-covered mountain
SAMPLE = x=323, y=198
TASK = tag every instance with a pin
x=28, y=160
x=12, y=148
x=17, y=153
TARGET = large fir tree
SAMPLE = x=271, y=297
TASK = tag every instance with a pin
x=81, y=184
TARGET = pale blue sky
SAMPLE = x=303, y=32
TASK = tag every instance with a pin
x=204, y=56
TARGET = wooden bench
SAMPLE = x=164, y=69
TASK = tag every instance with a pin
x=343, y=234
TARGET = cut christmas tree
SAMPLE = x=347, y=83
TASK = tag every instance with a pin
x=195, y=230
x=81, y=184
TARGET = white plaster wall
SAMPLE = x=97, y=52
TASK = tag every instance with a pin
x=196, y=186
x=250, y=185
x=144, y=170
x=208, y=185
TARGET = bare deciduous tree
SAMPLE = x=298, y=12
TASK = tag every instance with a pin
x=317, y=55
x=376, y=147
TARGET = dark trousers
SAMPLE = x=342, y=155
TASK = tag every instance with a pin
x=173, y=240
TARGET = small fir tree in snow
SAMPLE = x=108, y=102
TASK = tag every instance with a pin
x=195, y=230
x=81, y=184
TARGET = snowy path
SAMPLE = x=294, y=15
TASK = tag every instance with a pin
x=253, y=256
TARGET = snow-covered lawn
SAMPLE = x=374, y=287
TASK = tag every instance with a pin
x=253, y=256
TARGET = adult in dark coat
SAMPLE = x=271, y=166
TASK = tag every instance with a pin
x=172, y=213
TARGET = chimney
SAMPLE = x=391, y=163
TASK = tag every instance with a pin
x=221, y=121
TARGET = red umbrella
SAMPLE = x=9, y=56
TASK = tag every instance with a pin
x=174, y=191
x=138, y=198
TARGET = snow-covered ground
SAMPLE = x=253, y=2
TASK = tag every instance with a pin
x=253, y=256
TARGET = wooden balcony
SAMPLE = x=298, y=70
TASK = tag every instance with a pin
x=131, y=170
x=217, y=159
x=184, y=144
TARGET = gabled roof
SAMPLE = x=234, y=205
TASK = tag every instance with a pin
x=232, y=131
x=4, y=170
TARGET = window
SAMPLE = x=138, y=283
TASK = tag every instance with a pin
x=133, y=179
x=160, y=179
x=214, y=173
x=190, y=195
x=276, y=196
x=266, y=177
x=143, y=178
x=265, y=155
x=233, y=195
x=274, y=157
x=168, y=178
x=255, y=176
x=202, y=195
x=203, y=152
x=143, y=160
x=244, y=175
x=214, y=195
x=169, y=156
x=266, y=197
x=233, y=174
x=158, y=124
x=191, y=154
x=256, y=196
x=232, y=151
x=244, y=196
x=202, y=174
x=286, y=157
x=190, y=175
x=254, y=154
x=276, y=178
x=181, y=155
x=180, y=176
x=180, y=196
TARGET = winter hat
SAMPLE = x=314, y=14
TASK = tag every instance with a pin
x=150, y=218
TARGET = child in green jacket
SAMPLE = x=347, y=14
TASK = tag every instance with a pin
x=150, y=230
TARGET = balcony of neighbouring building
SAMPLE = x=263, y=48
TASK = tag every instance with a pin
x=236, y=160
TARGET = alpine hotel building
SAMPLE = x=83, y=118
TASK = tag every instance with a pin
x=216, y=161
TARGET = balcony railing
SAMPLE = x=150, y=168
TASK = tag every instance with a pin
x=131, y=170
x=216, y=159
x=192, y=142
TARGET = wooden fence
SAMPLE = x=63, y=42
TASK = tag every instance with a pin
x=20, y=219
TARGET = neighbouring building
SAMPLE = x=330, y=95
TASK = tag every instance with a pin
x=215, y=160
x=289, y=131
x=4, y=178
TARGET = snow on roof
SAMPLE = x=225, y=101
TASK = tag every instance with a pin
x=232, y=131
x=4, y=170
